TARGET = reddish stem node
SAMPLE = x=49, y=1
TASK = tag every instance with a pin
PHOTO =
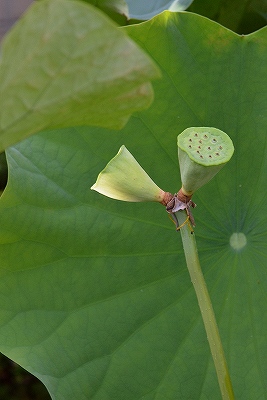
x=166, y=198
x=182, y=197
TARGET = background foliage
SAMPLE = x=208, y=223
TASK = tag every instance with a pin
x=241, y=16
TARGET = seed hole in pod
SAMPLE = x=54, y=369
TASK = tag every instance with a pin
x=217, y=154
x=196, y=135
x=201, y=156
x=209, y=148
x=200, y=141
x=210, y=156
x=198, y=151
x=199, y=147
x=220, y=147
x=190, y=147
x=214, y=140
x=190, y=140
x=205, y=136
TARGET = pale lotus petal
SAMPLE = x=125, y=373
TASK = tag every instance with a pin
x=124, y=179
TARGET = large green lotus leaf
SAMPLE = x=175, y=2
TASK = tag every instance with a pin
x=64, y=64
x=96, y=299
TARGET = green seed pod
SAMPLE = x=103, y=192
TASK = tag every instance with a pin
x=124, y=179
x=202, y=152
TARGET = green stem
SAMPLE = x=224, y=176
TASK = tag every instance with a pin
x=208, y=316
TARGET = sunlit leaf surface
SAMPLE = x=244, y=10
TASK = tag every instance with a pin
x=66, y=63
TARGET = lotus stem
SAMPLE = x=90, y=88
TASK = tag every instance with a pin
x=205, y=305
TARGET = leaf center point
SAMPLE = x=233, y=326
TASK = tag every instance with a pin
x=238, y=240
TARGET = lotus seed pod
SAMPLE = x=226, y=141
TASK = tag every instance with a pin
x=202, y=152
x=124, y=179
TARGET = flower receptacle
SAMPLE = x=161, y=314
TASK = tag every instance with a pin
x=202, y=152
